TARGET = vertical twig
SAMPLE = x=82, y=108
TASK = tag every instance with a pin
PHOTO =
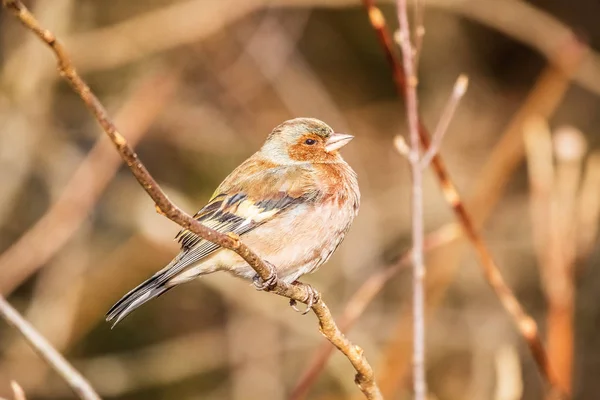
x=414, y=158
x=548, y=92
x=417, y=164
x=74, y=379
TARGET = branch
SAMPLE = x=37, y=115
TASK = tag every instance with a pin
x=418, y=232
x=365, y=378
x=460, y=87
x=74, y=379
x=524, y=322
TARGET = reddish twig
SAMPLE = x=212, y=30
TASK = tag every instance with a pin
x=365, y=378
x=543, y=99
x=525, y=323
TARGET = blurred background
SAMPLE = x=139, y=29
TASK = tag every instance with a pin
x=197, y=85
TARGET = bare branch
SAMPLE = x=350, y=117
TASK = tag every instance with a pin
x=418, y=232
x=299, y=292
x=460, y=87
x=76, y=381
x=525, y=323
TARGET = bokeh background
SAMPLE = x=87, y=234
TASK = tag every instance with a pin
x=197, y=85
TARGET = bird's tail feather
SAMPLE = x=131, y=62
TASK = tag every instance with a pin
x=143, y=293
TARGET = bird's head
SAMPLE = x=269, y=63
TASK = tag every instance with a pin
x=302, y=140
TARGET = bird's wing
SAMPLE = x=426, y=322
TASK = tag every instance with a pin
x=247, y=198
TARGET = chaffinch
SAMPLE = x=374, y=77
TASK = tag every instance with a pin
x=292, y=202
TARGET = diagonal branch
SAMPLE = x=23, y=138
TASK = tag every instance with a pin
x=525, y=323
x=74, y=379
x=299, y=292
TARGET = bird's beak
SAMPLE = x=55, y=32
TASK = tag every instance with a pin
x=337, y=141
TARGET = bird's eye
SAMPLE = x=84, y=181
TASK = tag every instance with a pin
x=310, y=142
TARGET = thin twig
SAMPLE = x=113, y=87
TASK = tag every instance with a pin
x=74, y=379
x=460, y=87
x=418, y=231
x=365, y=378
x=504, y=159
x=525, y=323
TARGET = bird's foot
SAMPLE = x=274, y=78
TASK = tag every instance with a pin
x=311, y=300
x=269, y=283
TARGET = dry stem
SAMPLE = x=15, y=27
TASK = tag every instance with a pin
x=506, y=156
x=525, y=323
x=414, y=158
x=460, y=87
x=365, y=377
x=418, y=163
x=45, y=350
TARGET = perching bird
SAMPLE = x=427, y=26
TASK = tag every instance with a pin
x=292, y=202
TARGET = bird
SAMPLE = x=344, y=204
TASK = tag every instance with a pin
x=292, y=202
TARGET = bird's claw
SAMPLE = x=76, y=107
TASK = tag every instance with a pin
x=311, y=300
x=267, y=284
